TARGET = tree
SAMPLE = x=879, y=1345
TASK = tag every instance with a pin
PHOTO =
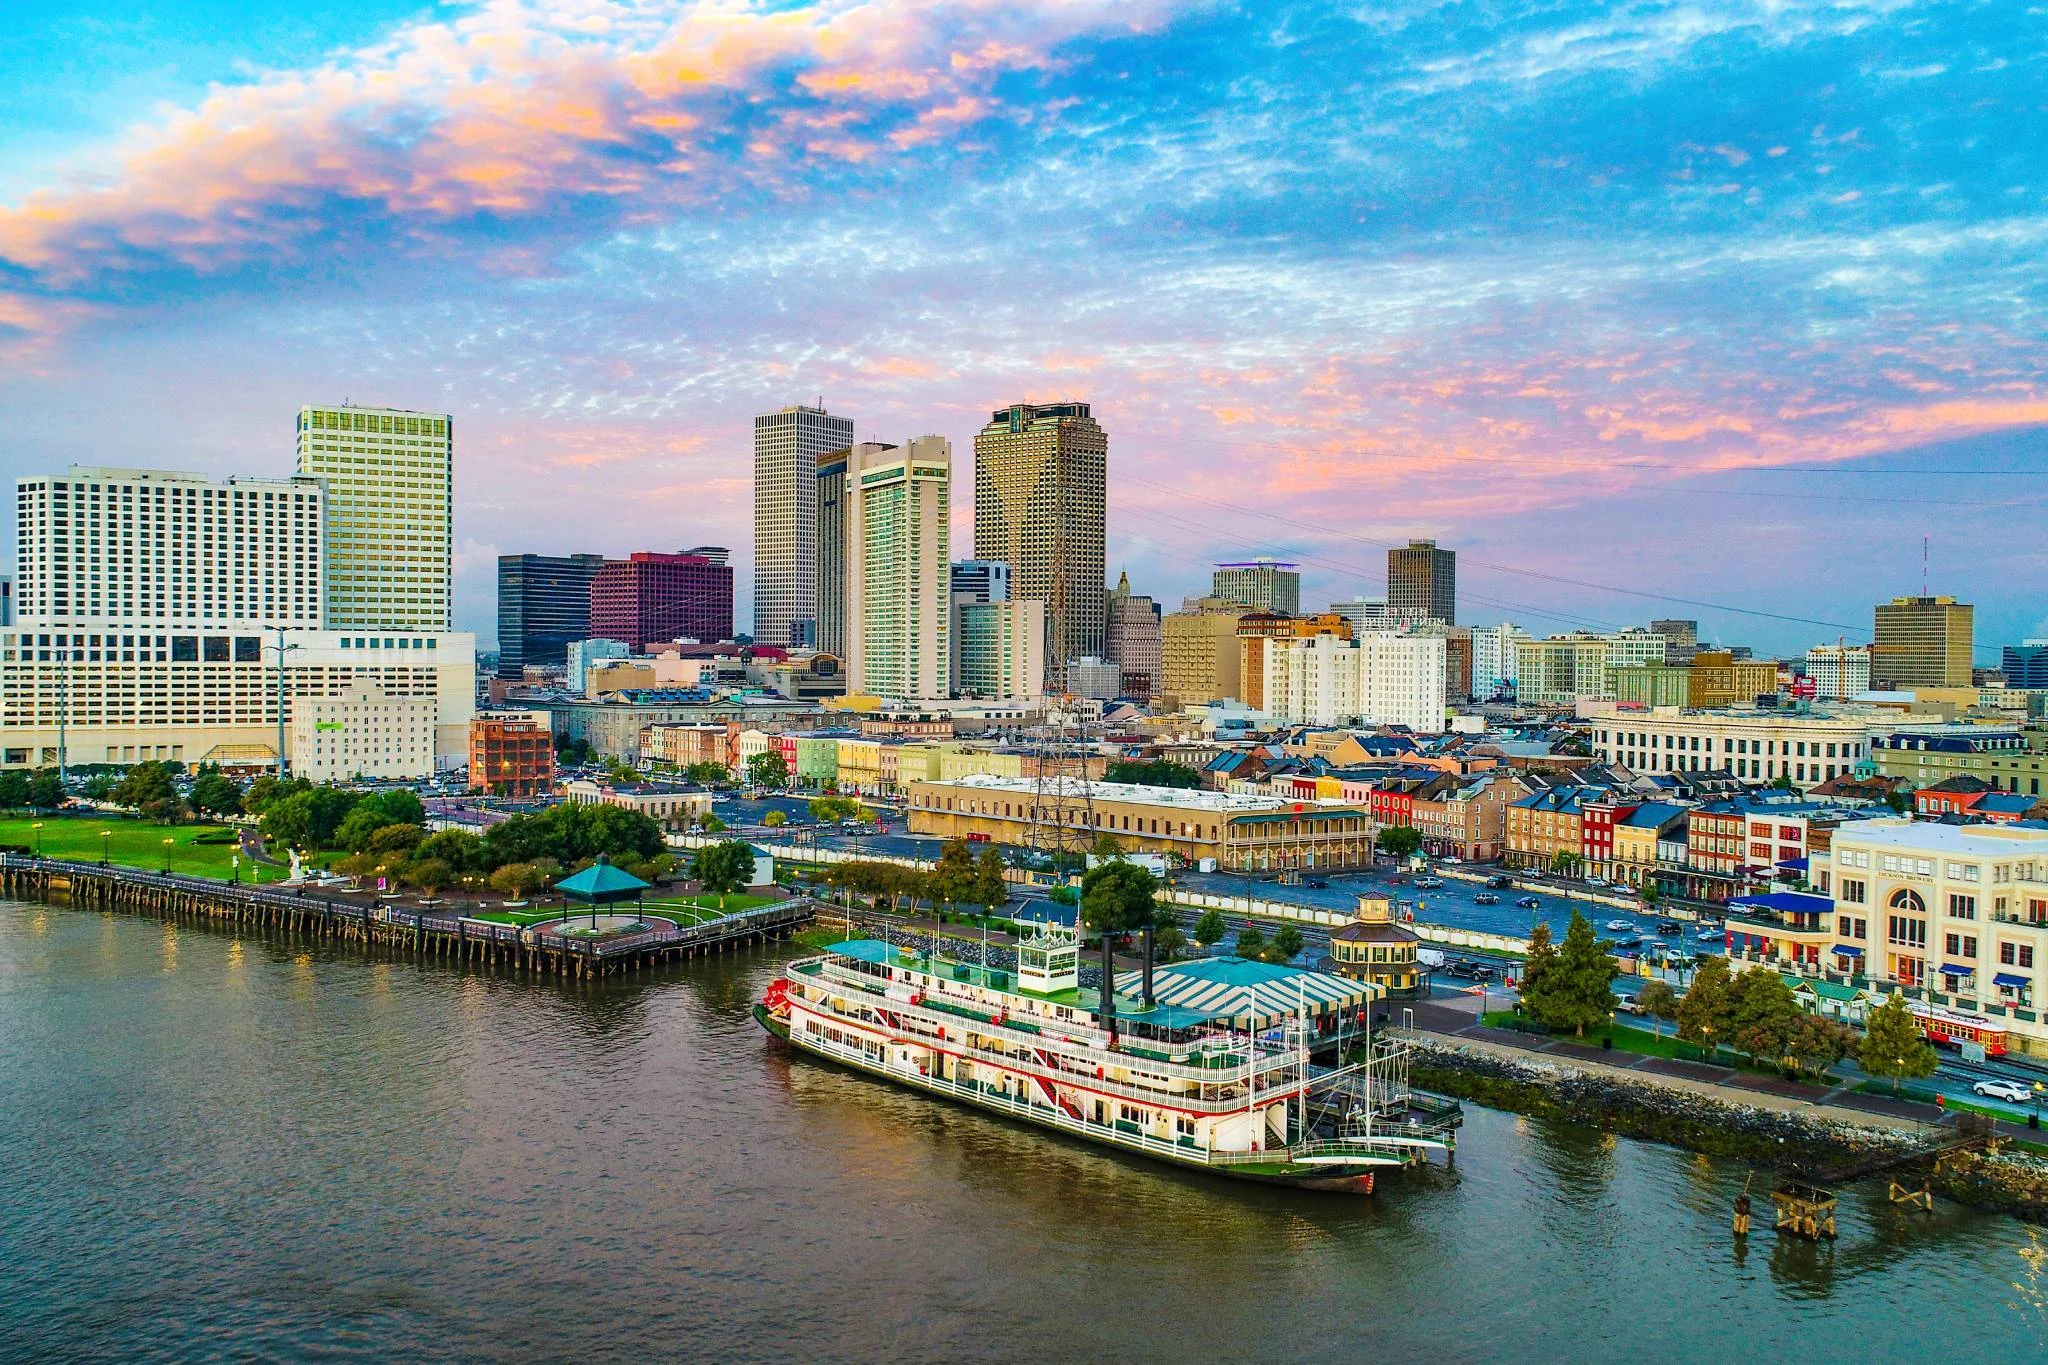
x=1892, y=1046
x=1211, y=927
x=708, y=773
x=1167, y=939
x=1288, y=942
x=148, y=789
x=1251, y=942
x=768, y=769
x=403, y=839
x=1659, y=1001
x=953, y=879
x=458, y=848
x=1783, y=782
x=1765, y=1010
x=518, y=879
x=991, y=890
x=355, y=831
x=1106, y=846
x=46, y=790
x=215, y=793
x=1154, y=772
x=1117, y=898
x=1538, y=970
x=13, y=789
x=1566, y=863
x=1400, y=842
x=723, y=867
x=830, y=808
x=775, y=819
x=1578, y=990
x=264, y=791
x=1706, y=1014
x=428, y=874
x=1814, y=1044
x=711, y=824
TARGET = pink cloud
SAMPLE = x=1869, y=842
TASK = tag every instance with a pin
x=514, y=109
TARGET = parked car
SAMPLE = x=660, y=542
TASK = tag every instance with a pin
x=1482, y=972
x=1428, y=883
x=1529, y=903
x=1459, y=968
x=1486, y=898
x=1500, y=883
x=2012, y=1092
x=1670, y=926
x=1316, y=884
x=1628, y=1004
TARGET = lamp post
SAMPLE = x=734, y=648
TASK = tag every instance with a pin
x=235, y=868
x=105, y=835
x=167, y=855
x=37, y=826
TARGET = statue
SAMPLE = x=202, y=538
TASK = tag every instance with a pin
x=298, y=866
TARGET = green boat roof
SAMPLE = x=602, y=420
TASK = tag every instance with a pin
x=1128, y=1008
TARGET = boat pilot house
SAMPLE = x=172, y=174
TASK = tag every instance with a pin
x=1376, y=948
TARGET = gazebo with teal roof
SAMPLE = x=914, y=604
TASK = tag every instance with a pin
x=601, y=884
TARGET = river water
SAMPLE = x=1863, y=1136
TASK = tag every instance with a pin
x=214, y=1145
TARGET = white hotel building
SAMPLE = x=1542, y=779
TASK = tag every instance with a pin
x=155, y=607
x=1380, y=678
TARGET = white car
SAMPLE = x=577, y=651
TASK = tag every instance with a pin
x=2012, y=1092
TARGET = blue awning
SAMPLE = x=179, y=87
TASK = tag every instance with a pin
x=2008, y=979
x=1844, y=950
x=1951, y=969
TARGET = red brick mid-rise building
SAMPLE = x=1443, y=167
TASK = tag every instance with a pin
x=511, y=755
x=653, y=598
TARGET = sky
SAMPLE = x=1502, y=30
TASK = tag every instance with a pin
x=1721, y=309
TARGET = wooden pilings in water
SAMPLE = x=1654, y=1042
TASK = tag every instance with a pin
x=413, y=934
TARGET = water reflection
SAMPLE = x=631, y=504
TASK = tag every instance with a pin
x=394, y=1160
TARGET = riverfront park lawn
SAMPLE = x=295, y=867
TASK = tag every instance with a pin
x=133, y=843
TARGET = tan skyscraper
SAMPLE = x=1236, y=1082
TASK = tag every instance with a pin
x=1923, y=642
x=390, y=477
x=787, y=444
x=1040, y=474
x=1422, y=582
x=1131, y=635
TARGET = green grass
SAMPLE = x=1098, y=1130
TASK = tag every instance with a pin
x=1626, y=1039
x=134, y=843
x=519, y=918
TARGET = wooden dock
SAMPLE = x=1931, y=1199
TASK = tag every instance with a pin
x=446, y=937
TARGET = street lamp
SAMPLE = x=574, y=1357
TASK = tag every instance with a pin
x=167, y=855
x=37, y=826
x=105, y=835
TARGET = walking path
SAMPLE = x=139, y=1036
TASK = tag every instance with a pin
x=1838, y=1104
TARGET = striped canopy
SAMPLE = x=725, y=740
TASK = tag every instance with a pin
x=1225, y=984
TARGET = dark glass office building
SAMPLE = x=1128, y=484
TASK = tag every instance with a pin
x=543, y=604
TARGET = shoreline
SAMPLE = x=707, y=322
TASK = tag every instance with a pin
x=1795, y=1141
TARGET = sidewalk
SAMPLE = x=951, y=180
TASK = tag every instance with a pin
x=1838, y=1104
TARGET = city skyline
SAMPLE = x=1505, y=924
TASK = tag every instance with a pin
x=1762, y=186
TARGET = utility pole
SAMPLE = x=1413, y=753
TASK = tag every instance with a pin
x=63, y=703
x=282, y=768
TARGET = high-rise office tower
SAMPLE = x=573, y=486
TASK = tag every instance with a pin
x=649, y=599
x=1131, y=634
x=1262, y=584
x=1422, y=582
x=1684, y=637
x=390, y=478
x=543, y=604
x=981, y=580
x=2025, y=664
x=1922, y=642
x=1040, y=473
x=899, y=604
x=787, y=445
x=830, y=553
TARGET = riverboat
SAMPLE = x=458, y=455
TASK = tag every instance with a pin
x=1223, y=1087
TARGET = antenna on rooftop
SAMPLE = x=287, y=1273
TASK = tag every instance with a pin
x=1923, y=566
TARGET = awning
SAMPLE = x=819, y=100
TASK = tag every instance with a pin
x=2017, y=983
x=1951, y=969
x=1845, y=950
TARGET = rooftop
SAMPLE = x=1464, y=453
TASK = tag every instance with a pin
x=1922, y=836
x=1220, y=803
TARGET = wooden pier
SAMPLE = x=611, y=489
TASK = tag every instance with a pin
x=447, y=937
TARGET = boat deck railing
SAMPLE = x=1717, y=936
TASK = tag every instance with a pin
x=1221, y=1059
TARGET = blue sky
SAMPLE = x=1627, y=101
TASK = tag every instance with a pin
x=1730, y=303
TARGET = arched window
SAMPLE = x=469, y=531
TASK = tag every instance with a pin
x=1908, y=900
